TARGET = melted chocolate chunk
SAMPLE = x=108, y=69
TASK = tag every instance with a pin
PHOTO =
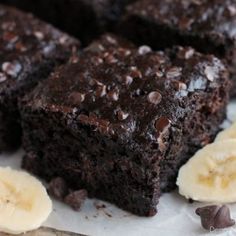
x=215, y=217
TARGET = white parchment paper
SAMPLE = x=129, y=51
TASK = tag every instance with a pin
x=176, y=216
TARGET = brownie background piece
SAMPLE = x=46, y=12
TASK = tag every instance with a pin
x=208, y=26
x=29, y=50
x=82, y=18
x=122, y=120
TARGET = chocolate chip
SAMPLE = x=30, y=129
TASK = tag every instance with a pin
x=185, y=23
x=178, y=85
x=186, y=53
x=48, y=49
x=10, y=37
x=58, y=188
x=122, y=115
x=39, y=35
x=135, y=72
x=101, y=90
x=159, y=74
x=144, y=50
x=215, y=217
x=162, y=125
x=12, y=68
x=210, y=73
x=76, y=199
x=111, y=40
x=63, y=39
x=231, y=10
x=113, y=95
x=95, y=47
x=10, y=25
x=124, y=52
x=128, y=80
x=154, y=97
x=173, y=72
x=96, y=60
x=109, y=58
x=20, y=47
x=76, y=98
x=3, y=77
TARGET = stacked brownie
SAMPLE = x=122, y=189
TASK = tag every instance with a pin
x=119, y=120
x=29, y=50
x=208, y=26
x=82, y=18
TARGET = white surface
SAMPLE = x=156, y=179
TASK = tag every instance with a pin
x=176, y=216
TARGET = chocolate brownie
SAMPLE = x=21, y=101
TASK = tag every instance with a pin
x=121, y=120
x=29, y=50
x=208, y=26
x=82, y=18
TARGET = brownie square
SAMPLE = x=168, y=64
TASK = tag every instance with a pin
x=208, y=26
x=121, y=120
x=82, y=18
x=29, y=50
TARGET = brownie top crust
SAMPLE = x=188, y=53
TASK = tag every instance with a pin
x=26, y=44
x=128, y=92
x=214, y=18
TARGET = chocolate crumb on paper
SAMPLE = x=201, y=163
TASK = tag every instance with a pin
x=76, y=199
x=102, y=207
x=58, y=188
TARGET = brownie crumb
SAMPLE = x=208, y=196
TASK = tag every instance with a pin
x=99, y=206
x=190, y=201
x=108, y=214
x=215, y=217
x=76, y=199
x=152, y=212
x=58, y=188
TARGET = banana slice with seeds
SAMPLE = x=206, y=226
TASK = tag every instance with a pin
x=229, y=133
x=24, y=202
x=210, y=175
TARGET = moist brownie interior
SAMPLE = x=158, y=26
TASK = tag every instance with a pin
x=29, y=50
x=120, y=120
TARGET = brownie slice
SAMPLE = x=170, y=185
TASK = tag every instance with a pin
x=208, y=26
x=121, y=120
x=82, y=18
x=29, y=50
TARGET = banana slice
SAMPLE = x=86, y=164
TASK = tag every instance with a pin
x=229, y=133
x=210, y=175
x=24, y=203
